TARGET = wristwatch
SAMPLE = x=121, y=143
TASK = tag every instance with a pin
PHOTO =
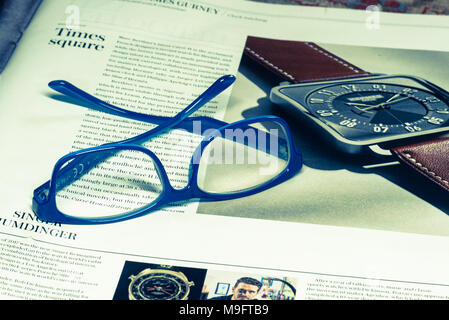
x=395, y=116
x=159, y=284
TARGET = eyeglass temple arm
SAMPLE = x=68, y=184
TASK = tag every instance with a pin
x=221, y=84
x=68, y=89
x=89, y=161
x=215, y=89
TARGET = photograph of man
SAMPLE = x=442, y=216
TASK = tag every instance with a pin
x=245, y=288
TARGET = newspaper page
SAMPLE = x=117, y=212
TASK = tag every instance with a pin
x=295, y=241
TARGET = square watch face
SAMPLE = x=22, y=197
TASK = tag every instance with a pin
x=369, y=112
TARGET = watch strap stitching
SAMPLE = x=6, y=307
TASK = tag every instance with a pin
x=330, y=56
x=424, y=168
x=297, y=61
x=266, y=61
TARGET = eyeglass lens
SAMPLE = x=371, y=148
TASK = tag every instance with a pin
x=239, y=159
x=121, y=182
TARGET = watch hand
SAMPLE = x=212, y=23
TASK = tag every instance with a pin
x=160, y=289
x=384, y=103
x=358, y=104
x=394, y=101
x=368, y=106
x=371, y=107
x=166, y=292
x=393, y=97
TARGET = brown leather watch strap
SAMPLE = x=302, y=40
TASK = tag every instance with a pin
x=297, y=61
x=430, y=158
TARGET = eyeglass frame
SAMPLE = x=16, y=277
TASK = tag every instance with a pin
x=44, y=197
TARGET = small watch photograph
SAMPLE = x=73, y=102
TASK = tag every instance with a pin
x=144, y=281
x=371, y=125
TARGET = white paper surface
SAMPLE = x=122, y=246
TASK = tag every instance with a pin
x=292, y=231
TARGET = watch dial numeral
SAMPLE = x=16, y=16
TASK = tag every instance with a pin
x=412, y=128
x=327, y=92
x=324, y=113
x=409, y=90
x=348, y=123
x=444, y=111
x=432, y=99
x=434, y=120
x=380, y=129
x=316, y=100
x=379, y=86
x=351, y=87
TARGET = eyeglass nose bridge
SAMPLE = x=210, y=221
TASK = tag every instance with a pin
x=176, y=195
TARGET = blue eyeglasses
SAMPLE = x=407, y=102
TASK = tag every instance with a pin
x=123, y=180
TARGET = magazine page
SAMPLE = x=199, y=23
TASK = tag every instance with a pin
x=331, y=25
x=338, y=229
x=144, y=69
x=157, y=74
x=34, y=269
